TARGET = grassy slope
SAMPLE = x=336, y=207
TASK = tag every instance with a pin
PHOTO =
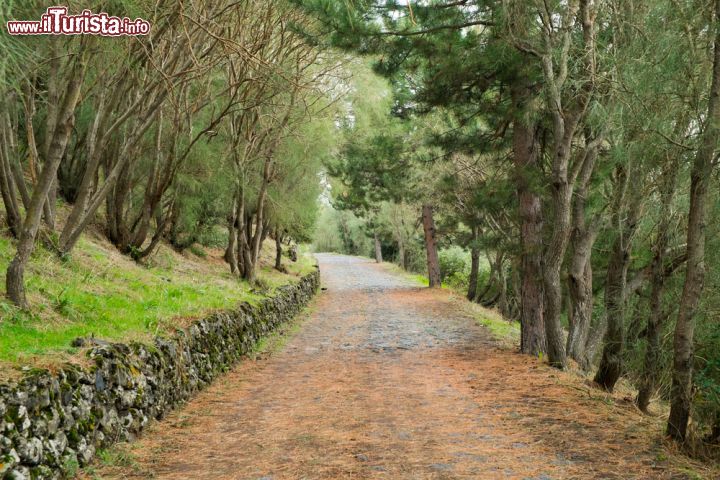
x=103, y=293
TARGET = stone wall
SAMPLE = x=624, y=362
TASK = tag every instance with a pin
x=52, y=423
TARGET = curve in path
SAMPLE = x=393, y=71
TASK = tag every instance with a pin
x=390, y=381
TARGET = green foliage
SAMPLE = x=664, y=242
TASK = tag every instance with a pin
x=454, y=265
x=327, y=232
x=198, y=251
x=341, y=232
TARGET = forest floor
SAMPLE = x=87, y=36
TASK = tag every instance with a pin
x=384, y=379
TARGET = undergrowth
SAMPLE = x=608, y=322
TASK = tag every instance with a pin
x=99, y=292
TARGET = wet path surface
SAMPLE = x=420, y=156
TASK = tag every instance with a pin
x=389, y=381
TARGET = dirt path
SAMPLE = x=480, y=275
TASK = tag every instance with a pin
x=385, y=380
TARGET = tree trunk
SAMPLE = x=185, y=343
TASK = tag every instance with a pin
x=49, y=205
x=681, y=391
x=651, y=367
x=656, y=317
x=378, y=248
x=433, y=263
x=553, y=260
x=401, y=254
x=13, y=217
x=278, y=250
x=502, y=301
x=580, y=291
x=15, y=276
x=255, y=241
x=10, y=141
x=581, y=305
x=231, y=250
x=480, y=294
x=566, y=115
x=625, y=220
x=593, y=343
x=525, y=156
x=611, y=366
x=474, y=265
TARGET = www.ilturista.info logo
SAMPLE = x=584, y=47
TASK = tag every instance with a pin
x=56, y=21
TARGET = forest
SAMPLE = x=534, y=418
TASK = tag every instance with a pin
x=554, y=160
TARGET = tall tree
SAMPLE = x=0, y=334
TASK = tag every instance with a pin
x=71, y=91
x=681, y=392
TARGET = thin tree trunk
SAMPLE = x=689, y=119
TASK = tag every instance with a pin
x=611, y=366
x=160, y=225
x=625, y=220
x=681, y=391
x=593, y=343
x=15, y=276
x=581, y=304
x=7, y=186
x=20, y=183
x=651, y=368
x=243, y=234
x=433, y=263
x=561, y=194
x=51, y=122
x=49, y=205
x=249, y=259
x=402, y=242
x=378, y=248
x=502, y=301
x=12, y=159
x=231, y=256
x=474, y=264
x=480, y=294
x=401, y=254
x=253, y=253
x=278, y=250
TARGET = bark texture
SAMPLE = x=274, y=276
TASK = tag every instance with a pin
x=580, y=281
x=657, y=314
x=681, y=391
x=526, y=163
x=474, y=265
x=433, y=263
x=378, y=248
x=15, y=276
x=626, y=213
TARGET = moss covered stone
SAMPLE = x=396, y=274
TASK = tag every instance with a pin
x=59, y=420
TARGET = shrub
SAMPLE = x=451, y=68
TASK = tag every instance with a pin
x=198, y=251
x=454, y=265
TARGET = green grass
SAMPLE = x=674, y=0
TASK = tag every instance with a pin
x=103, y=293
x=499, y=327
x=419, y=279
x=118, y=457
